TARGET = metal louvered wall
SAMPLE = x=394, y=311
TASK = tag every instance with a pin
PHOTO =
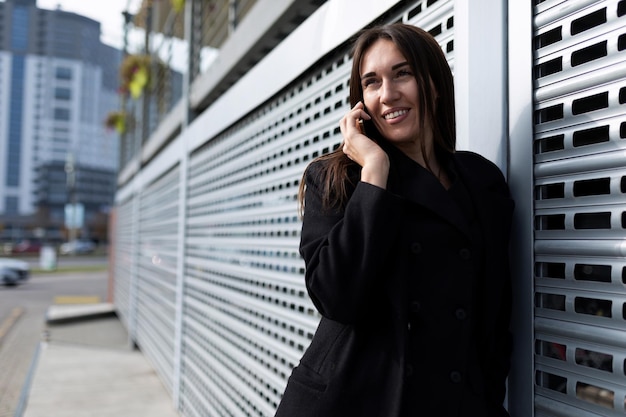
x=220, y=307
x=154, y=328
x=247, y=317
x=123, y=262
x=207, y=274
x=580, y=208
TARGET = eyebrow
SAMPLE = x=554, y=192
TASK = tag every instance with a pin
x=393, y=68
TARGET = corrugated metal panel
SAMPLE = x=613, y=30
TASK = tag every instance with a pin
x=580, y=217
x=247, y=317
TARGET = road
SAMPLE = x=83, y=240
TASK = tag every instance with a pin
x=22, y=319
x=70, y=261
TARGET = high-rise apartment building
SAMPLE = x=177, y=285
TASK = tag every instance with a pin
x=57, y=84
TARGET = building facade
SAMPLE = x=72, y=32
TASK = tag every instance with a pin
x=57, y=84
x=207, y=274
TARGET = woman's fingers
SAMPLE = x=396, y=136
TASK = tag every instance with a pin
x=351, y=123
x=356, y=145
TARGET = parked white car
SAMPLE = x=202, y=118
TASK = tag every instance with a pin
x=77, y=247
x=13, y=271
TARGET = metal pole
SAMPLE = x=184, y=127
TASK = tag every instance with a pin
x=232, y=16
x=124, y=155
x=70, y=170
x=145, y=118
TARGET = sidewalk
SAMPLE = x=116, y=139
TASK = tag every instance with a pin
x=86, y=368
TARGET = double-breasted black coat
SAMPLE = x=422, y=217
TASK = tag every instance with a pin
x=406, y=308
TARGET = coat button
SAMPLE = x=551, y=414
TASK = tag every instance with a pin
x=460, y=313
x=416, y=247
x=465, y=254
x=416, y=307
x=455, y=377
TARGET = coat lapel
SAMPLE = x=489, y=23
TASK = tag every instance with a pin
x=412, y=182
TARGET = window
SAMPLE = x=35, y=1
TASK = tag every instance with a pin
x=61, y=114
x=11, y=205
x=61, y=93
x=63, y=73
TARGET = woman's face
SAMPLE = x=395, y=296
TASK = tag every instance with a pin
x=390, y=94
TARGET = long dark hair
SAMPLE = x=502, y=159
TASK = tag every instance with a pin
x=436, y=101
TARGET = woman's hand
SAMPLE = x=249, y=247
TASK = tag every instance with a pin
x=362, y=150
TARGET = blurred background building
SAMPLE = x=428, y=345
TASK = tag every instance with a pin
x=58, y=82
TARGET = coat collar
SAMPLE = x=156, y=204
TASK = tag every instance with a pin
x=410, y=181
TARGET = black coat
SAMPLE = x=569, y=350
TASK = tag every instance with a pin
x=358, y=262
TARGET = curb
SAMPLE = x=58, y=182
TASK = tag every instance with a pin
x=63, y=314
x=24, y=394
x=9, y=322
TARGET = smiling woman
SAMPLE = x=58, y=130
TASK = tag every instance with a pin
x=405, y=243
x=390, y=95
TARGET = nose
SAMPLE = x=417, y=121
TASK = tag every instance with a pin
x=388, y=91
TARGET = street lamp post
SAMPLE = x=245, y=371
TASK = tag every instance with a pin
x=71, y=212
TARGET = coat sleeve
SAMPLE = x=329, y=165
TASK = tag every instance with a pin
x=497, y=350
x=502, y=346
x=345, y=249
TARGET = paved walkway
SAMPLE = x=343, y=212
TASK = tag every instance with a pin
x=87, y=369
x=17, y=347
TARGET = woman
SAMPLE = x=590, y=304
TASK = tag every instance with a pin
x=405, y=244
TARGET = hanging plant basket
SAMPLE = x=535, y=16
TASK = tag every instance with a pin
x=135, y=75
x=178, y=5
x=116, y=120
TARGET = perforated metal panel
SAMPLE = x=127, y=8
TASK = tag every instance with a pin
x=123, y=259
x=225, y=323
x=580, y=208
x=247, y=317
x=156, y=274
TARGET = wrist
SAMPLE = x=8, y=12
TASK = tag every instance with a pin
x=376, y=172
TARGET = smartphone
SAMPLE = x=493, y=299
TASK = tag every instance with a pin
x=368, y=129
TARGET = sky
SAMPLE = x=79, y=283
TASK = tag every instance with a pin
x=107, y=12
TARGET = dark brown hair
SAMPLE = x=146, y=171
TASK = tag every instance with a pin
x=436, y=100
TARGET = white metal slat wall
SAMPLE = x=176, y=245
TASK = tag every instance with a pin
x=157, y=271
x=580, y=217
x=247, y=318
x=123, y=259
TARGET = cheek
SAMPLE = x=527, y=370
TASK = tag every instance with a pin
x=370, y=103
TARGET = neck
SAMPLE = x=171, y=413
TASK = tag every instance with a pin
x=425, y=156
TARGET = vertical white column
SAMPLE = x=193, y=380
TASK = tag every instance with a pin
x=480, y=78
x=520, y=29
x=134, y=261
x=494, y=87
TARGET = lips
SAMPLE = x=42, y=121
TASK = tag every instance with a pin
x=395, y=114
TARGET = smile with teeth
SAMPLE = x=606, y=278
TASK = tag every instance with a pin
x=395, y=114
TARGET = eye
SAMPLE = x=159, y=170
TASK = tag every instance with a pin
x=405, y=72
x=368, y=82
